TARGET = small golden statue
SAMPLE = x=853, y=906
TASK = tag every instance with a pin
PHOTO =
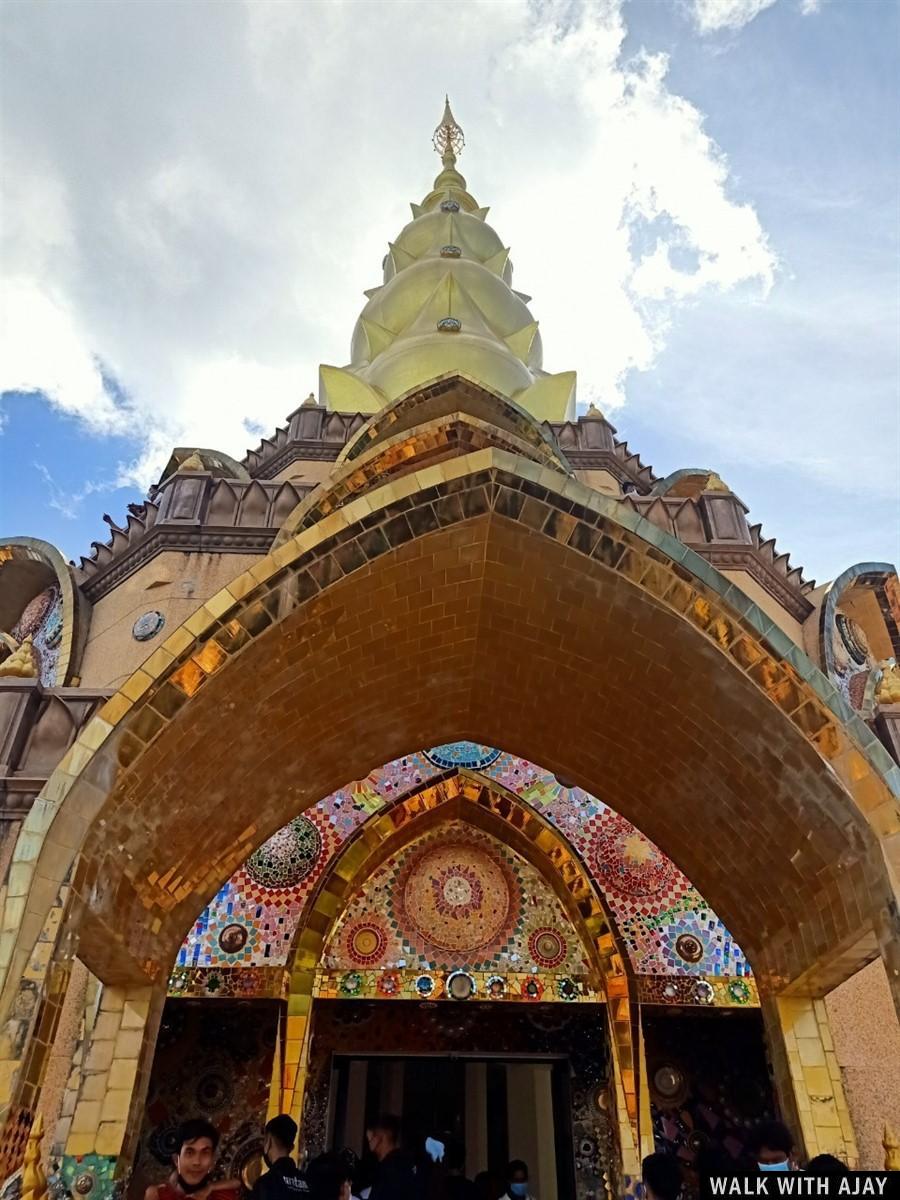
x=891, y=1145
x=888, y=690
x=34, y=1180
x=22, y=663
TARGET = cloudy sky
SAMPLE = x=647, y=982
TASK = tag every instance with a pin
x=700, y=195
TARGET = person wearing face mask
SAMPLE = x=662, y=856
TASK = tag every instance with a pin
x=284, y=1180
x=196, y=1143
x=395, y=1171
x=517, y=1181
x=771, y=1145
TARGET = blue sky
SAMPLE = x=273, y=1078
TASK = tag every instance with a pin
x=701, y=196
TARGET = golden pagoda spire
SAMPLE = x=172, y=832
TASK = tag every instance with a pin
x=448, y=139
x=446, y=306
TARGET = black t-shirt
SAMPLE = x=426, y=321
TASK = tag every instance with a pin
x=283, y=1181
x=395, y=1178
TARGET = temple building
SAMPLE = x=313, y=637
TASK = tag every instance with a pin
x=441, y=757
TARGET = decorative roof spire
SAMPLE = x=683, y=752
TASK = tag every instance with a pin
x=448, y=138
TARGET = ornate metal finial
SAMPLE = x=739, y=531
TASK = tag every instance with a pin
x=448, y=138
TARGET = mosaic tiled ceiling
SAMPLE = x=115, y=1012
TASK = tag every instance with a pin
x=666, y=926
x=456, y=900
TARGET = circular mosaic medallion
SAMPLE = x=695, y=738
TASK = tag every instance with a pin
x=287, y=857
x=457, y=898
x=547, y=948
x=689, y=947
x=351, y=984
x=449, y=325
x=147, y=626
x=854, y=639
x=460, y=985
x=389, y=983
x=163, y=1142
x=213, y=1092
x=704, y=992
x=471, y=756
x=532, y=989
x=669, y=1085
x=450, y=251
x=33, y=613
x=567, y=989
x=496, y=987
x=449, y=206
x=425, y=985
x=624, y=860
x=233, y=939
x=365, y=942
x=84, y=1184
x=738, y=991
x=53, y=628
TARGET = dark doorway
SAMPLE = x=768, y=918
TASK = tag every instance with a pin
x=508, y=1081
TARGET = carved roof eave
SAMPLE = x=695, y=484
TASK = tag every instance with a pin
x=315, y=434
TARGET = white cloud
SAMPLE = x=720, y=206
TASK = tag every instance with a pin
x=200, y=221
x=712, y=16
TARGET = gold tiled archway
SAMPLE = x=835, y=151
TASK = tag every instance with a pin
x=492, y=599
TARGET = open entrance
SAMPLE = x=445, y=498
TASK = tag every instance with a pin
x=709, y=1085
x=213, y=1059
x=507, y=1080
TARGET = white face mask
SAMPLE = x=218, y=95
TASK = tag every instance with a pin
x=782, y=1166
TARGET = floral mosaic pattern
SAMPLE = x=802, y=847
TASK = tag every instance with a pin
x=454, y=900
x=667, y=927
x=660, y=915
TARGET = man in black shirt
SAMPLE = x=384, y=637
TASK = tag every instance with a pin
x=284, y=1180
x=395, y=1172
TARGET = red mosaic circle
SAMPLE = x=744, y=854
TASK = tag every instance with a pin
x=547, y=947
x=389, y=983
x=624, y=861
x=365, y=942
x=456, y=898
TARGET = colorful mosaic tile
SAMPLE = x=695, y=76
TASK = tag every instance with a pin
x=455, y=900
x=666, y=926
x=409, y=984
x=704, y=993
x=42, y=621
x=229, y=983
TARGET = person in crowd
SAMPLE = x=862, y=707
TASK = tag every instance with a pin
x=517, y=1181
x=826, y=1164
x=328, y=1178
x=714, y=1159
x=487, y=1186
x=284, y=1179
x=457, y=1186
x=194, y=1159
x=772, y=1146
x=395, y=1172
x=661, y=1174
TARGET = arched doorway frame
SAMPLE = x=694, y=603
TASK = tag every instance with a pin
x=522, y=507
x=487, y=805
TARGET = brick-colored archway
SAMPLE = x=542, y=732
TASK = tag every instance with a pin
x=491, y=599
